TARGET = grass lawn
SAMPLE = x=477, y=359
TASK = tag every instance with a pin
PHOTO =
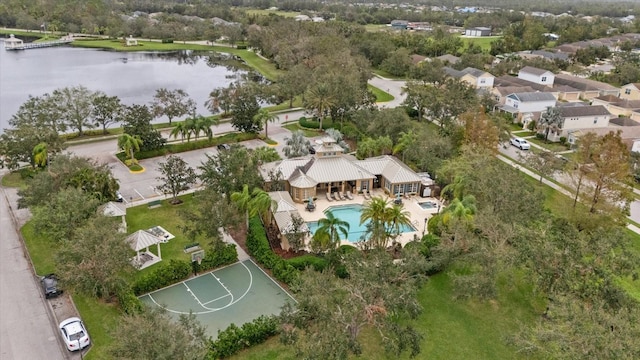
x=377, y=27
x=14, y=180
x=484, y=42
x=18, y=33
x=307, y=133
x=387, y=75
x=267, y=12
x=101, y=320
x=381, y=95
x=551, y=146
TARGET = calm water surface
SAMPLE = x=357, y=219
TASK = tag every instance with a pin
x=134, y=76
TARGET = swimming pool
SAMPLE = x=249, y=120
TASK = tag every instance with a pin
x=351, y=214
x=428, y=205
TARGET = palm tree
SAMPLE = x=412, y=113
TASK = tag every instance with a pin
x=396, y=218
x=550, y=121
x=205, y=124
x=262, y=204
x=462, y=210
x=456, y=189
x=264, y=117
x=242, y=200
x=130, y=144
x=297, y=145
x=334, y=227
x=375, y=211
x=180, y=129
x=406, y=141
x=40, y=155
x=320, y=99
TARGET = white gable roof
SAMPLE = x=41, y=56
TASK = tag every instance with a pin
x=142, y=239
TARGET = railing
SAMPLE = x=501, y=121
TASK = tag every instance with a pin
x=39, y=44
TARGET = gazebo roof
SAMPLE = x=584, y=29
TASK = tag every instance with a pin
x=142, y=239
x=113, y=208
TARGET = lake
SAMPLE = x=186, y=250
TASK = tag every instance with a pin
x=132, y=76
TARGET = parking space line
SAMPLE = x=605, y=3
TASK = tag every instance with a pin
x=139, y=194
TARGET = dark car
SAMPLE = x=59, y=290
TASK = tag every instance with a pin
x=312, y=150
x=224, y=147
x=50, y=286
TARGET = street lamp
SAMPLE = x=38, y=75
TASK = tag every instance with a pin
x=424, y=229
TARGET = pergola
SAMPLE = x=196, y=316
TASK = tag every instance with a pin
x=114, y=209
x=141, y=240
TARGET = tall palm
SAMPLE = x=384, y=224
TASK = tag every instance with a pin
x=550, y=121
x=242, y=200
x=130, y=144
x=205, y=124
x=406, y=141
x=397, y=217
x=375, y=211
x=334, y=227
x=264, y=117
x=320, y=99
x=262, y=204
x=40, y=155
x=456, y=189
x=462, y=210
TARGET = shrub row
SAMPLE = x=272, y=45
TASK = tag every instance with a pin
x=177, y=270
x=305, y=261
x=259, y=248
x=234, y=338
x=191, y=145
x=129, y=302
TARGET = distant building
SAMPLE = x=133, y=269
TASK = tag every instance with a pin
x=13, y=43
x=479, y=79
x=478, y=31
x=302, y=18
x=630, y=91
x=400, y=24
x=538, y=76
x=130, y=41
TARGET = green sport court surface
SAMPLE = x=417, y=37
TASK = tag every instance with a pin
x=236, y=294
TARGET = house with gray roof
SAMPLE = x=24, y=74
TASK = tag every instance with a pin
x=618, y=106
x=477, y=78
x=589, y=88
x=529, y=104
x=579, y=118
x=330, y=170
x=538, y=76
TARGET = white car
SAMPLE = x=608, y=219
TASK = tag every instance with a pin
x=520, y=143
x=74, y=334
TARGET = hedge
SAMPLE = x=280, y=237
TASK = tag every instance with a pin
x=312, y=124
x=258, y=246
x=128, y=301
x=234, y=338
x=305, y=261
x=177, y=270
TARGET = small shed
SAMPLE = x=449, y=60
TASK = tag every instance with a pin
x=130, y=41
x=13, y=43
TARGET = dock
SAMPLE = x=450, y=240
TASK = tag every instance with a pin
x=12, y=43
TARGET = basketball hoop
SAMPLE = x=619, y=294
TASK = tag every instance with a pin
x=199, y=260
x=197, y=256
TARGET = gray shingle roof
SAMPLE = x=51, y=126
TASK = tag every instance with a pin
x=507, y=80
x=534, y=71
x=580, y=111
x=533, y=96
x=392, y=169
x=583, y=84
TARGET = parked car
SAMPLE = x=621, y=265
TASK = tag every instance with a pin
x=224, y=147
x=74, y=334
x=119, y=197
x=520, y=143
x=312, y=150
x=50, y=286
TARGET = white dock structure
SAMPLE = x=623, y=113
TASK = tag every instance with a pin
x=13, y=43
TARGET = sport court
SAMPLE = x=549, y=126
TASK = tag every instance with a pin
x=236, y=294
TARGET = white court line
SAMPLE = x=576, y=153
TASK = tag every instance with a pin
x=216, y=299
x=220, y=282
x=194, y=295
x=138, y=194
x=275, y=282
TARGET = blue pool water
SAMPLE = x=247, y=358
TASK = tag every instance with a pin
x=351, y=214
x=428, y=205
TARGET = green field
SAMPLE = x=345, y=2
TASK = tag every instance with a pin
x=484, y=42
x=381, y=95
x=266, y=12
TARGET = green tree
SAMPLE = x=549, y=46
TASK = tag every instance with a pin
x=153, y=334
x=228, y=171
x=40, y=155
x=545, y=163
x=265, y=154
x=211, y=212
x=264, y=117
x=68, y=206
x=137, y=121
x=177, y=176
x=333, y=226
x=245, y=106
x=181, y=129
x=397, y=217
x=75, y=105
x=406, y=141
x=172, y=104
x=296, y=233
x=106, y=110
x=460, y=210
x=375, y=212
x=220, y=99
x=551, y=120
x=331, y=313
x=95, y=260
x=398, y=62
x=130, y=144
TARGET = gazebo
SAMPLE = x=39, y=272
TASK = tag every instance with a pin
x=141, y=240
x=13, y=43
x=114, y=209
x=130, y=41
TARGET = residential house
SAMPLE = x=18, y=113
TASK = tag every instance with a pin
x=589, y=88
x=478, y=31
x=417, y=59
x=538, y=76
x=630, y=91
x=399, y=24
x=630, y=135
x=617, y=106
x=581, y=117
x=330, y=170
x=479, y=79
x=527, y=105
x=448, y=58
x=635, y=115
x=500, y=93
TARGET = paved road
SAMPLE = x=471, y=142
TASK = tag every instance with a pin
x=26, y=330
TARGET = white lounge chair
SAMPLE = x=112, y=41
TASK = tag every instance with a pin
x=329, y=196
x=366, y=194
x=348, y=195
x=341, y=196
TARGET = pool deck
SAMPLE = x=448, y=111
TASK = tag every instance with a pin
x=419, y=216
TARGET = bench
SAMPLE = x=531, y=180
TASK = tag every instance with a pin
x=154, y=204
x=192, y=247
